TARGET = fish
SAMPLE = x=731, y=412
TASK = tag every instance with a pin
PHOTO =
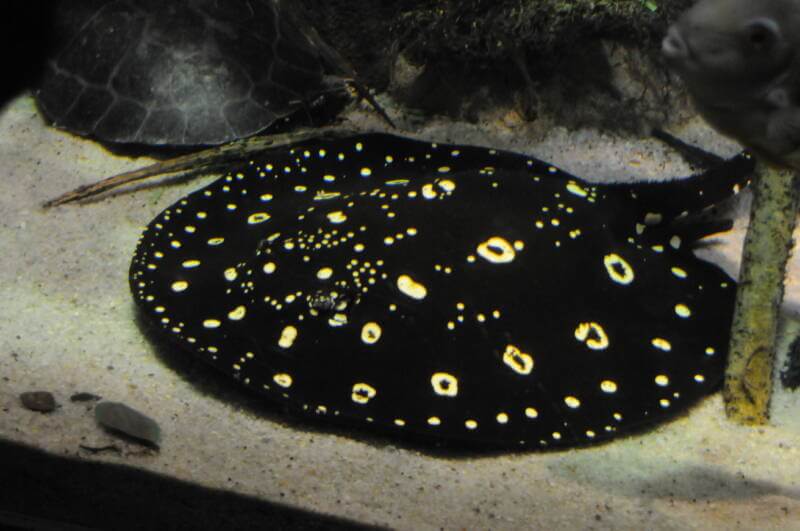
x=447, y=295
x=740, y=61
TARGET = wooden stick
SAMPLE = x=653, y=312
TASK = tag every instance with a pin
x=200, y=160
x=748, y=375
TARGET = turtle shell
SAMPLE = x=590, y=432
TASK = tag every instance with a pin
x=184, y=72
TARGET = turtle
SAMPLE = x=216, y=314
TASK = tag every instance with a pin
x=184, y=72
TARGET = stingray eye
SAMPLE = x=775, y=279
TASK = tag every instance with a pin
x=762, y=33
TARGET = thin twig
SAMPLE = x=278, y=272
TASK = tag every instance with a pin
x=200, y=160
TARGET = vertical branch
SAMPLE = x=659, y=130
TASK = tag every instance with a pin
x=748, y=376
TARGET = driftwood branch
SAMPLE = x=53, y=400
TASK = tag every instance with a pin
x=748, y=376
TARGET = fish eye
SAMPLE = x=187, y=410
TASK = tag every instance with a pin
x=761, y=33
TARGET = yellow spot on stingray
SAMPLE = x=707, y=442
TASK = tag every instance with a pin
x=662, y=380
x=211, y=323
x=496, y=250
x=258, y=217
x=572, y=402
x=531, y=412
x=444, y=384
x=337, y=217
x=434, y=421
x=681, y=310
x=282, y=379
x=446, y=184
x=288, y=335
x=618, y=269
x=652, y=218
x=471, y=424
x=593, y=335
x=411, y=288
x=237, y=314
x=362, y=393
x=519, y=361
x=608, y=386
x=338, y=319
x=678, y=272
x=269, y=268
x=179, y=286
x=325, y=196
x=324, y=273
x=370, y=333
x=575, y=188
x=661, y=344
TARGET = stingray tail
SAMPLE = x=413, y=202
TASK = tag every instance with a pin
x=686, y=207
x=683, y=196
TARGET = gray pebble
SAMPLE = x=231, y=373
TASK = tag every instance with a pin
x=120, y=418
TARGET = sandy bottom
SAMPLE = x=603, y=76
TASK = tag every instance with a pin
x=67, y=325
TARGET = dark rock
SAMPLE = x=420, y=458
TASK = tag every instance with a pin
x=84, y=397
x=41, y=401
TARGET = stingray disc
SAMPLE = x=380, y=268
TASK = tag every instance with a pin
x=445, y=293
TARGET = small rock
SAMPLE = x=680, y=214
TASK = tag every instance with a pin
x=84, y=397
x=41, y=401
x=120, y=418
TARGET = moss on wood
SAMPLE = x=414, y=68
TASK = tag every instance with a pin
x=748, y=376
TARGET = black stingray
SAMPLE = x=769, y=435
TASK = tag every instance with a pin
x=449, y=293
x=182, y=72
